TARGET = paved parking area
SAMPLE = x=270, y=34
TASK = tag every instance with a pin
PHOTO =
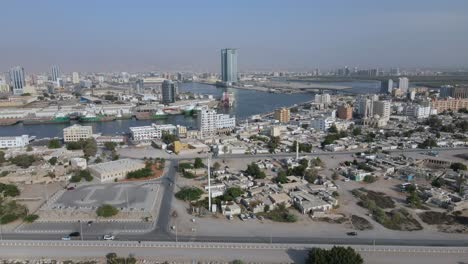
x=133, y=197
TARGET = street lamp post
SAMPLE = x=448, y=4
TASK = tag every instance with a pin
x=81, y=229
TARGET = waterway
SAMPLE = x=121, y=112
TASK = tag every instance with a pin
x=247, y=103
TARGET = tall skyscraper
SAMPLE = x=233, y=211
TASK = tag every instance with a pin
x=17, y=80
x=168, y=91
x=139, y=86
x=75, y=78
x=386, y=86
x=55, y=73
x=229, y=65
x=403, y=84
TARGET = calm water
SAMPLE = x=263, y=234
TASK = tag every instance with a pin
x=247, y=103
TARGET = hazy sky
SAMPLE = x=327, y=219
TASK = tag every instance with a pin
x=113, y=35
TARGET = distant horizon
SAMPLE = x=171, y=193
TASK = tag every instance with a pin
x=144, y=36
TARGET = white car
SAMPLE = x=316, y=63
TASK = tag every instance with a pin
x=67, y=238
x=108, y=237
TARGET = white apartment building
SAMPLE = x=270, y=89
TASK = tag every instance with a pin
x=148, y=133
x=209, y=122
x=206, y=121
x=75, y=78
x=14, y=142
x=322, y=99
x=382, y=108
x=322, y=123
x=403, y=84
x=418, y=111
x=77, y=132
x=225, y=122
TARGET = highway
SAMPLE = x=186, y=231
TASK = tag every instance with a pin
x=247, y=252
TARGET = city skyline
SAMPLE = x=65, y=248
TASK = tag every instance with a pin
x=271, y=35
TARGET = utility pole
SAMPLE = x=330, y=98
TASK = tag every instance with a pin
x=209, y=182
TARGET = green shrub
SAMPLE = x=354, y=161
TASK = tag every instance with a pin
x=106, y=210
x=30, y=218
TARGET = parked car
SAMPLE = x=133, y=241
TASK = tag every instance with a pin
x=71, y=188
x=351, y=233
x=66, y=238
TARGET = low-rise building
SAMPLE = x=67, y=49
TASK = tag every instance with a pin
x=78, y=163
x=14, y=142
x=77, y=132
x=115, y=170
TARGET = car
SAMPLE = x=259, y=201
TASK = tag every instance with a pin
x=351, y=233
x=260, y=218
x=74, y=234
x=346, y=179
x=108, y=237
x=229, y=217
x=90, y=222
x=71, y=188
x=66, y=238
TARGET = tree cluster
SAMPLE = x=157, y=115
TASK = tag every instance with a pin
x=254, y=170
x=335, y=255
x=89, y=146
x=189, y=194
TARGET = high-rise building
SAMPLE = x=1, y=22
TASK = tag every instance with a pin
x=209, y=122
x=395, y=71
x=403, y=84
x=322, y=98
x=168, y=91
x=365, y=107
x=75, y=78
x=345, y=112
x=283, y=115
x=454, y=92
x=229, y=65
x=382, y=108
x=17, y=80
x=386, y=86
x=55, y=73
x=206, y=121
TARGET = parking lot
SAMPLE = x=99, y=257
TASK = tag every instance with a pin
x=130, y=197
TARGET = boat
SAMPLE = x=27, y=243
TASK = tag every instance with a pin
x=159, y=115
x=58, y=118
x=189, y=110
x=90, y=117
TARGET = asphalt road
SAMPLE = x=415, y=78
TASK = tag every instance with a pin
x=222, y=252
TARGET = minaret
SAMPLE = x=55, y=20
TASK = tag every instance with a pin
x=209, y=182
